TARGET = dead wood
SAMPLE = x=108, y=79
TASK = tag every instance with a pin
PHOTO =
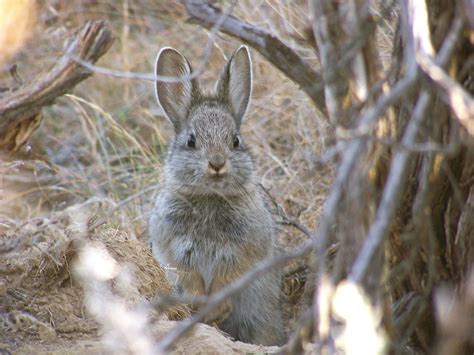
x=20, y=110
x=399, y=210
x=271, y=47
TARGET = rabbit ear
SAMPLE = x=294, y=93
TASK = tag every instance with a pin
x=174, y=97
x=235, y=83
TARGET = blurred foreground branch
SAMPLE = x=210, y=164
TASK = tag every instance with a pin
x=237, y=286
x=20, y=110
x=391, y=197
x=397, y=186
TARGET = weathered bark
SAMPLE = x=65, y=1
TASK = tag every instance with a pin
x=402, y=203
x=20, y=110
x=403, y=214
x=271, y=47
x=432, y=240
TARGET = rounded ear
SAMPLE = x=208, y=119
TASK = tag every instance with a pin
x=174, y=97
x=235, y=83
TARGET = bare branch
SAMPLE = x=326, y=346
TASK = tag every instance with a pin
x=217, y=298
x=455, y=96
x=20, y=111
x=167, y=79
x=393, y=188
x=458, y=99
x=285, y=219
x=272, y=48
x=351, y=156
x=353, y=150
x=392, y=193
x=428, y=147
x=335, y=87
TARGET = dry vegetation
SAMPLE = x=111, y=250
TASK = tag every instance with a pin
x=76, y=274
x=106, y=139
x=104, y=143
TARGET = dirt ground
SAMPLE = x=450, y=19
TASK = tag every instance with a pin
x=49, y=306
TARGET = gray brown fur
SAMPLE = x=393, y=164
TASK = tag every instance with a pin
x=210, y=222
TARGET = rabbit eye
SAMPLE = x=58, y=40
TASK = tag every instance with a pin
x=191, y=141
x=236, y=141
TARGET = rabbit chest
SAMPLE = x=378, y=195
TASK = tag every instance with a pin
x=214, y=239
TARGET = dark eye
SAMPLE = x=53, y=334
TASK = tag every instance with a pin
x=236, y=142
x=191, y=141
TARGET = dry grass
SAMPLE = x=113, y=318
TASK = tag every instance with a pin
x=104, y=143
x=106, y=140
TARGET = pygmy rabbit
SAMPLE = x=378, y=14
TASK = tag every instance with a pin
x=210, y=222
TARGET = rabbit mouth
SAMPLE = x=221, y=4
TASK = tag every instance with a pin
x=217, y=177
x=217, y=181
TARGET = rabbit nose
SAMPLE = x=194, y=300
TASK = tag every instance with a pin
x=217, y=164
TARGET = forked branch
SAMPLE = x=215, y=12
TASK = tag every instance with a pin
x=20, y=110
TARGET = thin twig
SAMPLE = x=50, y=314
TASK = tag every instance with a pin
x=393, y=193
x=237, y=286
x=366, y=121
x=167, y=79
x=272, y=48
x=429, y=147
x=285, y=219
x=349, y=160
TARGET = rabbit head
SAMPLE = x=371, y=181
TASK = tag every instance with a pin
x=207, y=153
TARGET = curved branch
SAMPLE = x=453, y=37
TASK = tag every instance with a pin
x=271, y=47
x=20, y=110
